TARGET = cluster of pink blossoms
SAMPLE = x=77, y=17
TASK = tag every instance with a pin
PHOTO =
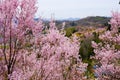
x=108, y=51
x=54, y=57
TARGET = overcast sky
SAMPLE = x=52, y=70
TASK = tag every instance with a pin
x=76, y=8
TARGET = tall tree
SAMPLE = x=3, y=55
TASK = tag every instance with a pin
x=16, y=20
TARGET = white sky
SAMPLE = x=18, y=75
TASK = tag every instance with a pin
x=62, y=9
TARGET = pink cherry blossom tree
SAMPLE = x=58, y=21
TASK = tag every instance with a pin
x=108, y=51
x=54, y=57
x=16, y=21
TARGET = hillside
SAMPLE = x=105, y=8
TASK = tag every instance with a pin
x=94, y=21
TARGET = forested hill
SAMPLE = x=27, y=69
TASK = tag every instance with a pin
x=91, y=21
x=96, y=21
